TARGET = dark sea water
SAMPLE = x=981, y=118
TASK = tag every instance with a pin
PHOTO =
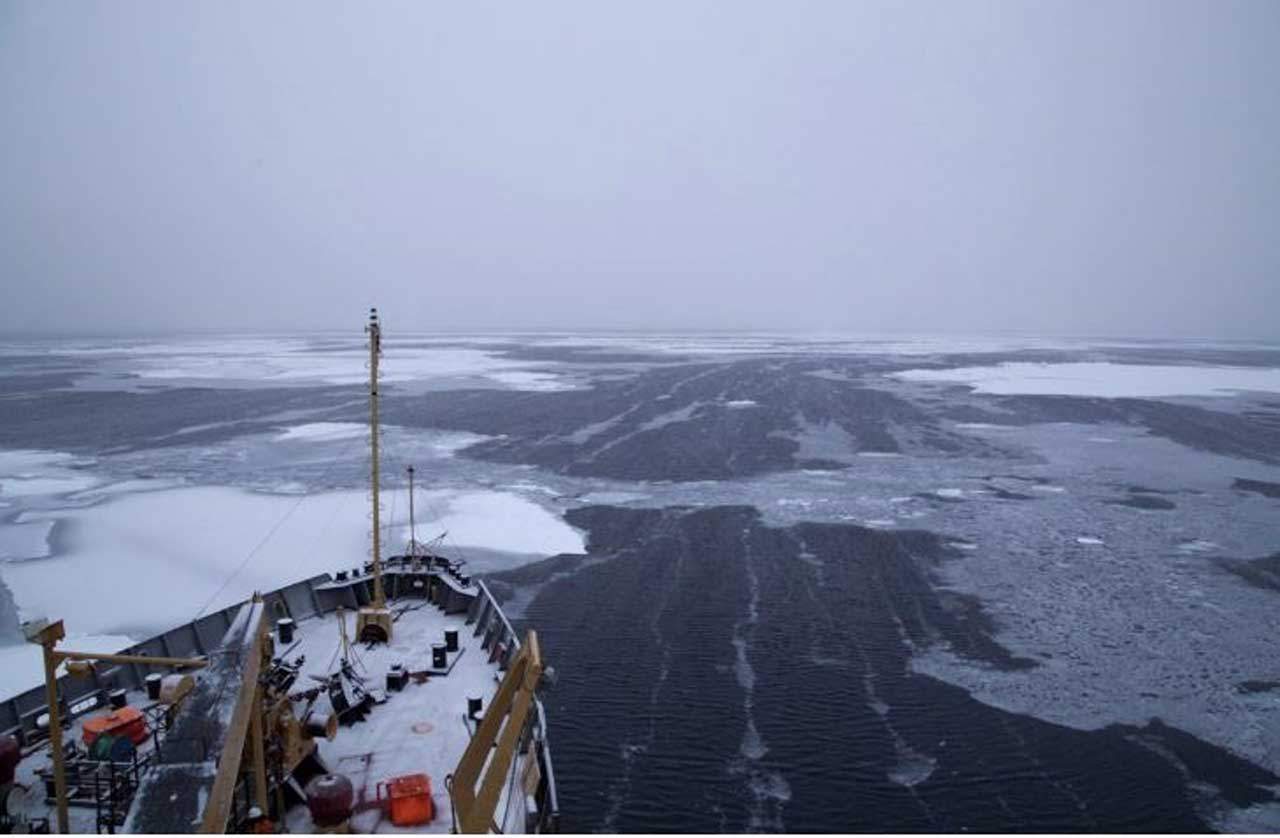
x=815, y=596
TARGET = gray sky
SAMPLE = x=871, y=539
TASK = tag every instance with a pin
x=1086, y=167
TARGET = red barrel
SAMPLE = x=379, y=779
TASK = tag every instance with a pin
x=10, y=756
x=330, y=798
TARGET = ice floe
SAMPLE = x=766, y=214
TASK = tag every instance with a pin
x=1198, y=546
x=141, y=563
x=530, y=380
x=323, y=432
x=26, y=473
x=1104, y=379
x=912, y=767
x=22, y=664
x=298, y=360
x=498, y=521
x=23, y=541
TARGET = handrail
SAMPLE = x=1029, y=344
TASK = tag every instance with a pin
x=511, y=633
x=492, y=749
x=552, y=801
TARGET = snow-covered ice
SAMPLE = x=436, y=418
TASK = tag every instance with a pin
x=323, y=432
x=22, y=664
x=299, y=360
x=24, y=540
x=493, y=521
x=26, y=473
x=141, y=563
x=1104, y=379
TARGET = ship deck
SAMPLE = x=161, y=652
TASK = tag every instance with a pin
x=421, y=729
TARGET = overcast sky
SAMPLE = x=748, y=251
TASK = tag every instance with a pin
x=1087, y=167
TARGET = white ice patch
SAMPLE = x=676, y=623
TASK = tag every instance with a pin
x=912, y=767
x=28, y=486
x=493, y=521
x=1104, y=379
x=143, y=563
x=613, y=498
x=28, y=473
x=530, y=380
x=22, y=541
x=835, y=343
x=451, y=442
x=22, y=664
x=1198, y=546
x=295, y=360
x=124, y=487
x=323, y=432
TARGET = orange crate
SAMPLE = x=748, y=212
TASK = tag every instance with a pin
x=127, y=721
x=409, y=798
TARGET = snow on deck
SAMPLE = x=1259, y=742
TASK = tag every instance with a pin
x=420, y=730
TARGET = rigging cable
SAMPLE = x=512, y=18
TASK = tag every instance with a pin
x=270, y=533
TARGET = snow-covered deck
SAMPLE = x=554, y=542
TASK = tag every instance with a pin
x=30, y=791
x=422, y=729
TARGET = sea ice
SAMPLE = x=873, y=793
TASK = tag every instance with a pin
x=530, y=380
x=27, y=540
x=295, y=360
x=26, y=473
x=323, y=432
x=1104, y=379
x=495, y=521
x=141, y=563
x=22, y=664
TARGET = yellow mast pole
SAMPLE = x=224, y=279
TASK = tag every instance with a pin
x=413, y=538
x=48, y=639
x=375, y=349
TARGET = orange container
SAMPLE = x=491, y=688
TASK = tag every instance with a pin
x=127, y=721
x=409, y=799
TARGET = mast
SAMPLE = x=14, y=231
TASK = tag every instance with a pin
x=375, y=349
x=413, y=538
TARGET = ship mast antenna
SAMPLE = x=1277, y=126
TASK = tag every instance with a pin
x=374, y=621
x=375, y=349
x=413, y=538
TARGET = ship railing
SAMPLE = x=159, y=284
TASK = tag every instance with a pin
x=487, y=613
